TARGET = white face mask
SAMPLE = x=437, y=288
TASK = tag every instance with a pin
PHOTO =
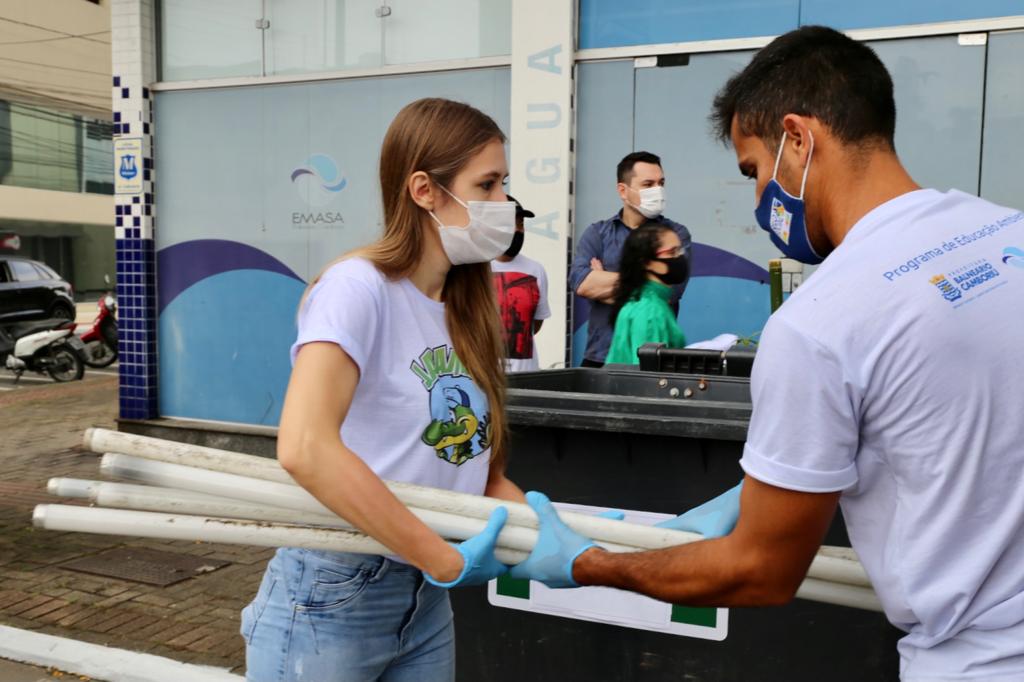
x=652, y=201
x=492, y=224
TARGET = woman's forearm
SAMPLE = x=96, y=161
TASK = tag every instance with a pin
x=343, y=482
x=502, y=488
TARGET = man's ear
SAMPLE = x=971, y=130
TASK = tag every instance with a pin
x=621, y=188
x=798, y=135
x=422, y=190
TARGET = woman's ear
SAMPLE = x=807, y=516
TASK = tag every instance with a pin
x=421, y=189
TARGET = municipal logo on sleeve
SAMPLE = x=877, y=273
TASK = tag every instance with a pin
x=780, y=220
x=949, y=291
x=968, y=282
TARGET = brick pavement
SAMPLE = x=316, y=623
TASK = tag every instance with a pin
x=194, y=621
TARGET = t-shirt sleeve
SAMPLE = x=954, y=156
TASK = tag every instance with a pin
x=340, y=309
x=543, y=311
x=804, y=428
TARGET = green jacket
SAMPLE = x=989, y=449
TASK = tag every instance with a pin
x=647, y=318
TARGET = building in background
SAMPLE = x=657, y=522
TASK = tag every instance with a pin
x=262, y=125
x=56, y=159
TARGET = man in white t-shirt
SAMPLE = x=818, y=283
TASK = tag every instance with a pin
x=522, y=287
x=891, y=382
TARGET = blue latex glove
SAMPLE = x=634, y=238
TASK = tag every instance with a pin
x=557, y=547
x=613, y=514
x=713, y=519
x=478, y=555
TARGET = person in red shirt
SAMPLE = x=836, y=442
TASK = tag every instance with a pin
x=522, y=287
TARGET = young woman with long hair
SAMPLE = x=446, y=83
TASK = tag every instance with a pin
x=652, y=262
x=397, y=375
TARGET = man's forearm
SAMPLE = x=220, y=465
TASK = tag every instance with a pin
x=598, y=285
x=708, y=573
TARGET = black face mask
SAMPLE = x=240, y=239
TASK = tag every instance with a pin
x=517, y=245
x=678, y=270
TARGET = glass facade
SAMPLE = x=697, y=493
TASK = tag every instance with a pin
x=201, y=40
x=45, y=149
x=259, y=188
x=612, y=23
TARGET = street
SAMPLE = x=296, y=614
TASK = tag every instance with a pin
x=194, y=621
x=30, y=380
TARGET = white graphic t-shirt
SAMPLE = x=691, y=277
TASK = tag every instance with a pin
x=416, y=415
x=896, y=374
x=522, y=288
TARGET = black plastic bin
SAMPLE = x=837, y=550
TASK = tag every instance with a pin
x=658, y=442
x=735, y=362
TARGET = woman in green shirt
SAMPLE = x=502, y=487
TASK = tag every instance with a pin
x=652, y=261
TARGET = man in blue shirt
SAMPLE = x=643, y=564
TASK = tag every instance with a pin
x=594, y=273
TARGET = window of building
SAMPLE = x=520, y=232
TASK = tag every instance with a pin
x=234, y=38
x=42, y=148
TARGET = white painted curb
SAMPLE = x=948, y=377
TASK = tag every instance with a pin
x=101, y=662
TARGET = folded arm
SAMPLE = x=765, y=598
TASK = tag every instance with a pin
x=587, y=276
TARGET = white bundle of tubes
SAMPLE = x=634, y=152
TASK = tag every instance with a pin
x=197, y=493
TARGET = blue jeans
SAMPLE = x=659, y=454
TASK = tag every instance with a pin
x=336, y=617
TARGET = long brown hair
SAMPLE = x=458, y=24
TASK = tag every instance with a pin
x=439, y=137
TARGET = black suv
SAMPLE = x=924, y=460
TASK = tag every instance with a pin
x=32, y=290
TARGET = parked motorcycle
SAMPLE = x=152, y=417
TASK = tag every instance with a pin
x=101, y=338
x=42, y=346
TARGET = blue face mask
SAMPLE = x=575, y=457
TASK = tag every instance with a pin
x=781, y=215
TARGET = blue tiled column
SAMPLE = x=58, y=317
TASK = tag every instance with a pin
x=133, y=51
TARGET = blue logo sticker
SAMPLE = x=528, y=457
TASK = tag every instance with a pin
x=128, y=168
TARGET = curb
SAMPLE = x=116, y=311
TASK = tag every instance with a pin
x=101, y=662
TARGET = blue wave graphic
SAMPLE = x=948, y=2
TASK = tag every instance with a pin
x=1013, y=256
x=325, y=170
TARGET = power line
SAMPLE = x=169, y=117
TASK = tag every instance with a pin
x=54, y=66
x=44, y=138
x=64, y=34
x=33, y=153
x=50, y=40
x=60, y=89
x=62, y=100
x=27, y=110
x=50, y=163
x=40, y=145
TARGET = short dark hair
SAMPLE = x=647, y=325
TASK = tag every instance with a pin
x=624, y=171
x=812, y=71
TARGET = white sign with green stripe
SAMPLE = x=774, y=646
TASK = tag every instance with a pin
x=607, y=605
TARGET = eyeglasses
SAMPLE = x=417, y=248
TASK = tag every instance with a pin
x=672, y=252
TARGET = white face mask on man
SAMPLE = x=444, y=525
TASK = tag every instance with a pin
x=492, y=224
x=652, y=201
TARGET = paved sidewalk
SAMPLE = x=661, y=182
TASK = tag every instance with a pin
x=194, y=621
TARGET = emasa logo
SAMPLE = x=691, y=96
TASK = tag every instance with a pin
x=319, y=181
x=949, y=291
x=1014, y=256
